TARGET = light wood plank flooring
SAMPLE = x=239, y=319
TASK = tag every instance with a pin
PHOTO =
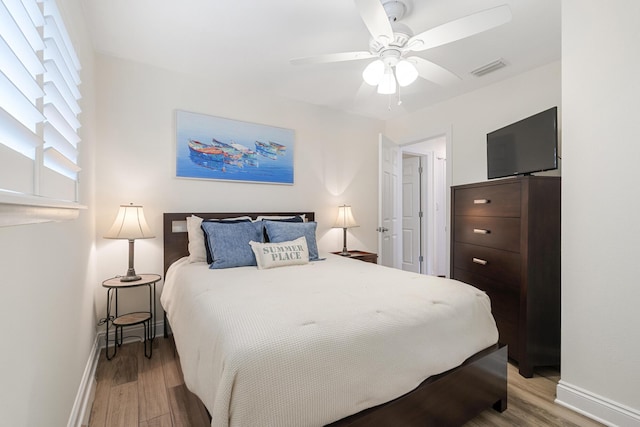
x=133, y=391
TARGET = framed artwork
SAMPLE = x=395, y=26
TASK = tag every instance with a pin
x=209, y=147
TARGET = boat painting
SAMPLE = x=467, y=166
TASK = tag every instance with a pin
x=266, y=150
x=209, y=147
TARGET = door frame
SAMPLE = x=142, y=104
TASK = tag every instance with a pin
x=432, y=133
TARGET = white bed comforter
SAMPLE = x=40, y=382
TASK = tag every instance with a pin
x=308, y=345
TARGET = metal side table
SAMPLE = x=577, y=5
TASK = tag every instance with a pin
x=120, y=321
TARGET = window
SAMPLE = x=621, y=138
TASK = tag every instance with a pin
x=39, y=108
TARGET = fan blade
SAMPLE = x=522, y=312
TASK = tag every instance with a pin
x=433, y=72
x=332, y=57
x=460, y=28
x=375, y=18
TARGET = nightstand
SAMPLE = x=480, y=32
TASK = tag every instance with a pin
x=362, y=256
x=120, y=321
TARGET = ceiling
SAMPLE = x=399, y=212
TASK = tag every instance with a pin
x=252, y=41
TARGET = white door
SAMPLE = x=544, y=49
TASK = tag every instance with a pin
x=411, y=214
x=388, y=207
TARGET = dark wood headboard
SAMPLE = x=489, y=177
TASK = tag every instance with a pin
x=176, y=240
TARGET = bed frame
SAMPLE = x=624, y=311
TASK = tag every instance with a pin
x=449, y=399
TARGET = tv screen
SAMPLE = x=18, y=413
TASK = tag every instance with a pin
x=524, y=147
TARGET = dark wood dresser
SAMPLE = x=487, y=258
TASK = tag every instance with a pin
x=505, y=240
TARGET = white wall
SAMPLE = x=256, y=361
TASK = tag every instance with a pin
x=46, y=310
x=471, y=116
x=335, y=161
x=600, y=205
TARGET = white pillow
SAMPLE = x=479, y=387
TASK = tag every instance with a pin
x=270, y=255
x=197, y=248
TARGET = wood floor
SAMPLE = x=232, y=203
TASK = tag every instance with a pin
x=133, y=391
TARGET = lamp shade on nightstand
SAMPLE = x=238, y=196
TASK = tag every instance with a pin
x=345, y=220
x=130, y=224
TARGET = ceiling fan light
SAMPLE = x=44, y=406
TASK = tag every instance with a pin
x=406, y=73
x=374, y=72
x=387, y=84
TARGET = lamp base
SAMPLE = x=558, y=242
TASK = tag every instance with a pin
x=131, y=275
x=344, y=252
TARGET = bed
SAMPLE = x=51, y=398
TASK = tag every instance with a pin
x=324, y=343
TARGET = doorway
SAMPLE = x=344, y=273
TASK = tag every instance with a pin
x=423, y=206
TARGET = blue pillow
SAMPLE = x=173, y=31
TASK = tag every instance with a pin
x=286, y=231
x=207, y=249
x=229, y=242
x=296, y=218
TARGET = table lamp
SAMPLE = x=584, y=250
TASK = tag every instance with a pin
x=345, y=220
x=130, y=224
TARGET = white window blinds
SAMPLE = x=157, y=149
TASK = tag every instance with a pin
x=38, y=102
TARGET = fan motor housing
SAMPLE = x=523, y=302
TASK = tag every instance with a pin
x=401, y=35
x=395, y=10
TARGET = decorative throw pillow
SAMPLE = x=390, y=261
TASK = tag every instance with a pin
x=229, y=242
x=197, y=247
x=226, y=221
x=297, y=218
x=270, y=255
x=286, y=231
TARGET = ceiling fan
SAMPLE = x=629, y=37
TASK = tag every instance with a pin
x=393, y=42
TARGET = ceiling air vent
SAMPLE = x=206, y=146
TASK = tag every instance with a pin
x=489, y=68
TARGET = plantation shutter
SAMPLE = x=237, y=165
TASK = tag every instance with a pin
x=38, y=102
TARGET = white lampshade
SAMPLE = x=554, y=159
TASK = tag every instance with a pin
x=406, y=73
x=345, y=218
x=387, y=85
x=129, y=224
x=374, y=72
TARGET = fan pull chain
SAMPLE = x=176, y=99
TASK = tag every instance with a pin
x=398, y=102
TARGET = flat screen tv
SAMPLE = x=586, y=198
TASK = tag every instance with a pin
x=524, y=147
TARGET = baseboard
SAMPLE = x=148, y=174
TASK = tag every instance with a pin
x=84, y=398
x=603, y=410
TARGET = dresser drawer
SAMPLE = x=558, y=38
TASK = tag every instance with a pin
x=491, y=200
x=503, y=266
x=494, y=232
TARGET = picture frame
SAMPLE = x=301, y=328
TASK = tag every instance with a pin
x=216, y=148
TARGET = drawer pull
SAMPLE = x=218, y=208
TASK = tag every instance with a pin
x=479, y=261
x=481, y=201
x=480, y=231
